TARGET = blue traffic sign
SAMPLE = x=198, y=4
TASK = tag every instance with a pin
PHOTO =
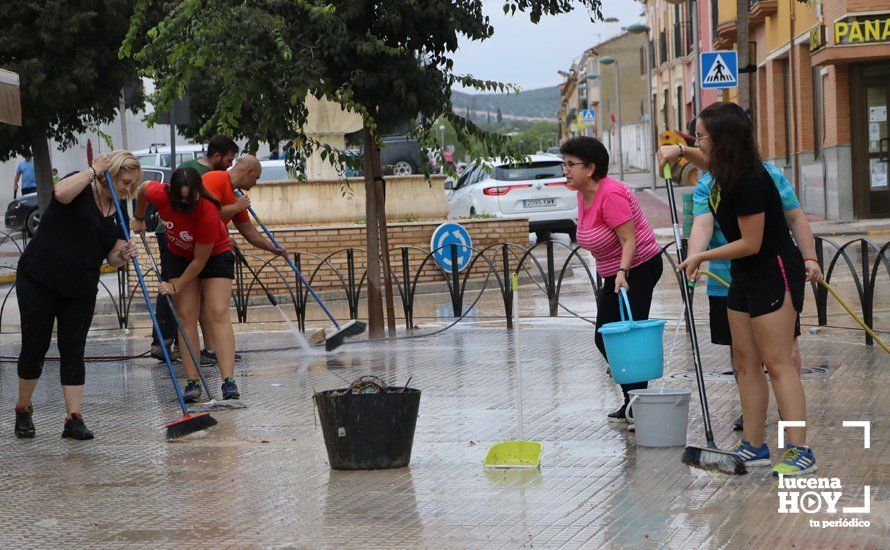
x=719, y=70
x=451, y=233
x=588, y=116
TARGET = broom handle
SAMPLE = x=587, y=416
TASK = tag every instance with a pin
x=145, y=294
x=687, y=303
x=188, y=344
x=290, y=263
x=519, y=407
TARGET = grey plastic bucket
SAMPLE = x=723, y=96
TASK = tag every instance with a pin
x=660, y=415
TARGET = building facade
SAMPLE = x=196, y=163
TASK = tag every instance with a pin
x=591, y=84
x=673, y=66
x=822, y=89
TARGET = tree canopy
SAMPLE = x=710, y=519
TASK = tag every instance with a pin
x=389, y=60
x=65, y=52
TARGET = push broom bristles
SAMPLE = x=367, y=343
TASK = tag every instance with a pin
x=336, y=339
x=708, y=458
x=189, y=424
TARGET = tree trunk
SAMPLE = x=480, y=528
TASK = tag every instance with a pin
x=375, y=304
x=742, y=45
x=380, y=192
x=43, y=169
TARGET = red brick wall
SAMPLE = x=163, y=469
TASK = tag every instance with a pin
x=326, y=240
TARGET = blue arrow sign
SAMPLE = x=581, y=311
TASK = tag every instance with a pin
x=719, y=70
x=447, y=234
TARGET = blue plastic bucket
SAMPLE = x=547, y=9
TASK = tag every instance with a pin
x=635, y=348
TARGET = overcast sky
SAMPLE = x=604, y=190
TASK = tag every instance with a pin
x=529, y=55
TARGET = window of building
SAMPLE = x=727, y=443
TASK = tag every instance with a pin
x=786, y=78
x=818, y=112
x=679, y=102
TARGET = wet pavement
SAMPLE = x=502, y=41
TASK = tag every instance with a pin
x=261, y=477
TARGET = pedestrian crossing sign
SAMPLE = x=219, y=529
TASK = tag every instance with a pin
x=719, y=69
x=587, y=116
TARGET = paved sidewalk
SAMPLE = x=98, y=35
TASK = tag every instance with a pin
x=261, y=479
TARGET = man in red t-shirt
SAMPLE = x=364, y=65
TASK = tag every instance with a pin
x=222, y=185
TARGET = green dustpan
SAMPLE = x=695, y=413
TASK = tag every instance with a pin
x=515, y=454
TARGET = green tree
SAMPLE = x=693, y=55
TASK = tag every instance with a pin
x=65, y=52
x=388, y=60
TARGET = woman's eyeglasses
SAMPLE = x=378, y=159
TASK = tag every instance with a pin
x=568, y=165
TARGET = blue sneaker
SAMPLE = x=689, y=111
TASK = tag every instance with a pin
x=230, y=389
x=796, y=461
x=751, y=455
x=192, y=392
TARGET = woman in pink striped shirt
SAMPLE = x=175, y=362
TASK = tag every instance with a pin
x=612, y=228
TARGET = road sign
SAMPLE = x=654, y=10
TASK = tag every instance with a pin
x=451, y=233
x=719, y=70
x=588, y=116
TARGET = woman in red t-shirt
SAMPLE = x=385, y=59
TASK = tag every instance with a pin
x=612, y=228
x=201, y=267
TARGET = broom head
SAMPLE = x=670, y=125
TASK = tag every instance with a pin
x=336, y=338
x=709, y=458
x=189, y=424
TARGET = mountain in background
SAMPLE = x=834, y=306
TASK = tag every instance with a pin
x=539, y=104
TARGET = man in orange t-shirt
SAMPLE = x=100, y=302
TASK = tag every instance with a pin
x=222, y=185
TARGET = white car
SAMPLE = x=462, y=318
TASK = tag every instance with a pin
x=535, y=190
x=275, y=170
x=160, y=156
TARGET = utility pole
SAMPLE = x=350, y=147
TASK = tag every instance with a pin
x=742, y=45
x=696, y=51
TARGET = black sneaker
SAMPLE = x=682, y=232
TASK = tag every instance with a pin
x=619, y=415
x=212, y=355
x=192, y=392
x=24, y=426
x=230, y=389
x=208, y=358
x=739, y=424
x=75, y=428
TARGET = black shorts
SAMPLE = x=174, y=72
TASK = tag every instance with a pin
x=720, y=333
x=762, y=289
x=219, y=266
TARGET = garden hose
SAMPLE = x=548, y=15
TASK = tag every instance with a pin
x=836, y=297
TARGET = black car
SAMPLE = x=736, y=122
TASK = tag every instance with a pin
x=399, y=155
x=22, y=214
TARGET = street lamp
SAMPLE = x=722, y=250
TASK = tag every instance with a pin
x=639, y=28
x=612, y=61
x=442, y=129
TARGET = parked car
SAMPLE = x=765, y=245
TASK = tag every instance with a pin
x=399, y=156
x=275, y=170
x=156, y=155
x=535, y=190
x=22, y=212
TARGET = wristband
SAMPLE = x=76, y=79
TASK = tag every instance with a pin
x=682, y=150
x=625, y=270
x=174, y=287
x=138, y=219
x=810, y=260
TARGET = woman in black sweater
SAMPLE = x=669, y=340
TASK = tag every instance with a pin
x=58, y=277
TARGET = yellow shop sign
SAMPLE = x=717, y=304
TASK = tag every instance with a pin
x=862, y=29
